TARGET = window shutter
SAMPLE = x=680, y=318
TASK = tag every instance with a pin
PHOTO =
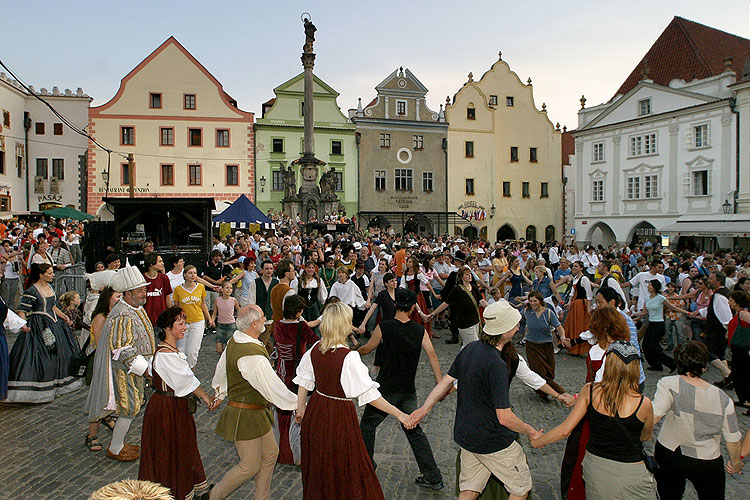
x=688, y=139
x=686, y=184
x=708, y=135
x=708, y=183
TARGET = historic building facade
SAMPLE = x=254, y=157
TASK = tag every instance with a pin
x=42, y=161
x=187, y=136
x=660, y=158
x=504, y=169
x=279, y=135
x=402, y=158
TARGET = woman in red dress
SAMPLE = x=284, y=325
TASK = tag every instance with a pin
x=169, y=445
x=335, y=463
x=292, y=337
x=577, y=319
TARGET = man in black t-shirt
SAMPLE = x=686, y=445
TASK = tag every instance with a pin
x=402, y=343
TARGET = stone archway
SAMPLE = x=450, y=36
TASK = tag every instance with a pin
x=642, y=232
x=471, y=233
x=601, y=234
x=531, y=233
x=506, y=232
x=549, y=234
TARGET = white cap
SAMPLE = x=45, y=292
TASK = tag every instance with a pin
x=264, y=248
x=480, y=250
x=128, y=278
x=357, y=245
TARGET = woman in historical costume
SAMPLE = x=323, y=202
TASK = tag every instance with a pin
x=169, y=443
x=313, y=290
x=413, y=278
x=577, y=319
x=335, y=462
x=40, y=359
x=328, y=273
x=292, y=338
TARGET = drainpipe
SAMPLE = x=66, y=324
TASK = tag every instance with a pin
x=733, y=107
x=447, y=210
x=358, y=140
x=26, y=127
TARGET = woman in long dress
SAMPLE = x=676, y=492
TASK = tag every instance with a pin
x=169, y=444
x=313, y=290
x=335, y=462
x=577, y=319
x=40, y=359
x=413, y=277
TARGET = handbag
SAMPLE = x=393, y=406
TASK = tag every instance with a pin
x=648, y=460
x=741, y=337
x=80, y=361
x=192, y=403
x=49, y=339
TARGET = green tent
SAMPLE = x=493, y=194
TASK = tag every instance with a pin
x=68, y=213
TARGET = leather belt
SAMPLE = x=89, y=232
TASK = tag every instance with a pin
x=165, y=393
x=246, y=406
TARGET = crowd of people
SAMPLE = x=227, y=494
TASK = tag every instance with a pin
x=292, y=315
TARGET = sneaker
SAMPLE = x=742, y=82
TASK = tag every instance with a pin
x=421, y=481
x=557, y=348
x=521, y=342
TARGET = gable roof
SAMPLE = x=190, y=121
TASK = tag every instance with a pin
x=289, y=84
x=688, y=50
x=401, y=73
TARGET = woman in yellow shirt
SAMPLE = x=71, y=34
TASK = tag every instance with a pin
x=191, y=296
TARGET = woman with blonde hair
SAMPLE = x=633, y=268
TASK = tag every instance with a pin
x=620, y=418
x=335, y=462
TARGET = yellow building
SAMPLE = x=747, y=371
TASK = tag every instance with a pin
x=187, y=136
x=504, y=167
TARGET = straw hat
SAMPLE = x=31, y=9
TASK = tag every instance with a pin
x=500, y=317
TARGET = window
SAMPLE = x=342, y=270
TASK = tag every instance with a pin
x=58, y=168
x=19, y=166
x=509, y=101
x=651, y=185
x=400, y=108
x=470, y=187
x=380, y=180
x=549, y=233
x=6, y=118
x=125, y=174
x=418, y=142
x=195, y=137
x=700, y=139
x=531, y=233
x=633, y=188
x=514, y=153
x=506, y=189
x=154, y=101
x=532, y=155
x=222, y=138
x=598, y=154
x=2, y=162
x=525, y=190
x=302, y=108
x=403, y=179
x=385, y=140
x=167, y=175
x=493, y=100
x=469, y=146
x=427, y=182
x=233, y=175
x=57, y=128
x=167, y=136
x=339, y=176
x=545, y=190
x=39, y=128
x=127, y=136
x=700, y=183
x=336, y=148
x=644, y=107
x=194, y=175
x=5, y=203
x=278, y=180
x=471, y=114
x=643, y=145
x=277, y=145
x=189, y=101
x=597, y=191
x=41, y=168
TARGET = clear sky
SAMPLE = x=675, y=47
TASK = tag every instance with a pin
x=567, y=48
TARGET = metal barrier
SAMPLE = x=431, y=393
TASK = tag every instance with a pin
x=72, y=278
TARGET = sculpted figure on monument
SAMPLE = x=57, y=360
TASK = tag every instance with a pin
x=290, y=183
x=309, y=36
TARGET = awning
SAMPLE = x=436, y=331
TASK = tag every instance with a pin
x=720, y=228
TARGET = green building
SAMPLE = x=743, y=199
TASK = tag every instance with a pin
x=279, y=141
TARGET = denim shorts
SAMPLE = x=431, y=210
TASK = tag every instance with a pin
x=223, y=332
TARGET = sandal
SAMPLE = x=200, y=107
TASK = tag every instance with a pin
x=93, y=444
x=108, y=422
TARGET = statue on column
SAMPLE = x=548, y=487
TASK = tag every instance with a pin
x=290, y=183
x=328, y=183
x=310, y=30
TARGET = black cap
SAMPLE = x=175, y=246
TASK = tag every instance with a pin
x=460, y=256
x=405, y=298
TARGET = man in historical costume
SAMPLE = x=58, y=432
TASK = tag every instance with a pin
x=121, y=361
x=259, y=293
x=245, y=377
x=717, y=316
x=285, y=274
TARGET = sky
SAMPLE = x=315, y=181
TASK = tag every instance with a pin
x=568, y=49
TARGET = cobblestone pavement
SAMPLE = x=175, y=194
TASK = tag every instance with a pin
x=43, y=454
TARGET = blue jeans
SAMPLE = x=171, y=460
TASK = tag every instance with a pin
x=675, y=331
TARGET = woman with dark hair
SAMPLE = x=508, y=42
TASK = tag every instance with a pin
x=654, y=307
x=414, y=276
x=516, y=277
x=312, y=289
x=328, y=273
x=541, y=321
x=739, y=302
x=698, y=415
x=578, y=315
x=465, y=299
x=40, y=359
x=169, y=445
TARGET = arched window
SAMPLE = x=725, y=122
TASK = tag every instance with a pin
x=549, y=233
x=531, y=233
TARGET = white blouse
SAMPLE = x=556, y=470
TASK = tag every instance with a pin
x=174, y=370
x=349, y=293
x=322, y=291
x=355, y=379
x=586, y=284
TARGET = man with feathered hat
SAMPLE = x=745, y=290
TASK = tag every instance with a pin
x=121, y=361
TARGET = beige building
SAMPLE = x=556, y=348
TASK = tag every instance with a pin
x=504, y=169
x=187, y=136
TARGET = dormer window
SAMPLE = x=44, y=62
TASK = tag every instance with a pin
x=471, y=113
x=644, y=107
x=401, y=108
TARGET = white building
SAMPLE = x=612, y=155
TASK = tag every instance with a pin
x=32, y=136
x=661, y=157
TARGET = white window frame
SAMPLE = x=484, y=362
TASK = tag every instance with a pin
x=597, y=152
x=597, y=190
x=701, y=135
x=406, y=107
x=381, y=179
x=493, y=100
x=644, y=106
x=643, y=145
x=651, y=186
x=633, y=187
x=694, y=185
x=385, y=140
x=403, y=179
x=418, y=142
x=427, y=182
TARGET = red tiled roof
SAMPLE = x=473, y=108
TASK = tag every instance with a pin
x=568, y=146
x=688, y=50
x=372, y=102
x=269, y=102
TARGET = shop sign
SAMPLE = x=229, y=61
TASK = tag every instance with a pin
x=403, y=201
x=124, y=189
x=49, y=197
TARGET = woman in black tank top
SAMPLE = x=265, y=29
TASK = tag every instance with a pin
x=613, y=467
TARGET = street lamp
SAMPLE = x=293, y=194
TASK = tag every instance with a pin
x=105, y=176
x=726, y=206
x=262, y=183
x=492, y=211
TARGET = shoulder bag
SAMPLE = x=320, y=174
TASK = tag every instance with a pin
x=741, y=336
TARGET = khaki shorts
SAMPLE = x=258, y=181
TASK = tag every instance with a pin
x=508, y=465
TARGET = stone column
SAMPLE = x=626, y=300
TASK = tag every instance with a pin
x=616, y=195
x=673, y=169
x=743, y=107
x=728, y=161
x=308, y=61
x=579, y=177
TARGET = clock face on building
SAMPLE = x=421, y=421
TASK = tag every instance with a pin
x=402, y=83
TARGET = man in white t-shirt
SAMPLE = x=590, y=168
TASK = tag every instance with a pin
x=484, y=264
x=641, y=280
x=554, y=257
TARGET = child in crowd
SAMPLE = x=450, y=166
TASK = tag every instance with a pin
x=70, y=303
x=496, y=295
x=225, y=309
x=674, y=321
